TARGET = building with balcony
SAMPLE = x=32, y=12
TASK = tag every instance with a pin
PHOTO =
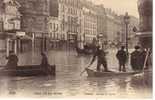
x=54, y=32
x=11, y=23
x=70, y=19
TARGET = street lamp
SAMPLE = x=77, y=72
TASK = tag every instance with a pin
x=126, y=21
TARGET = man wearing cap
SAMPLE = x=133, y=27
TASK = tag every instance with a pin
x=135, y=59
x=12, y=60
x=122, y=57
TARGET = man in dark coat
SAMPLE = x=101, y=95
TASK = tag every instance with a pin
x=44, y=62
x=136, y=59
x=122, y=57
x=12, y=60
x=101, y=59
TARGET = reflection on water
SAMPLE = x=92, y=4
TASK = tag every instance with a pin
x=68, y=81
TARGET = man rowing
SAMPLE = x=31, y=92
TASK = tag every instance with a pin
x=101, y=59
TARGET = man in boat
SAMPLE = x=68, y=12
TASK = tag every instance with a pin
x=122, y=57
x=44, y=62
x=136, y=59
x=12, y=60
x=101, y=59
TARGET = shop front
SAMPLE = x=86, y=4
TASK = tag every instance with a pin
x=72, y=39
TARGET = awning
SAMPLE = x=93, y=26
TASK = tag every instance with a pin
x=144, y=34
x=90, y=35
x=25, y=37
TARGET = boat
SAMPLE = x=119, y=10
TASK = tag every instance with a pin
x=28, y=70
x=92, y=73
x=84, y=51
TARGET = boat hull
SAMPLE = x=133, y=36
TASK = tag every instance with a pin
x=92, y=73
x=29, y=70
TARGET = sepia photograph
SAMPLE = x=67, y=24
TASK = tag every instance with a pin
x=76, y=49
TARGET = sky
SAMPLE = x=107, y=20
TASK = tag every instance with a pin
x=120, y=6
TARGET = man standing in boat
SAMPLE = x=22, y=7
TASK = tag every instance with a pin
x=101, y=59
x=12, y=60
x=122, y=58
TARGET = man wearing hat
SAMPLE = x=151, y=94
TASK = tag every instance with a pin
x=12, y=60
x=122, y=57
x=44, y=62
x=101, y=59
x=135, y=59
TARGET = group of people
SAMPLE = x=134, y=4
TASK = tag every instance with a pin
x=137, y=60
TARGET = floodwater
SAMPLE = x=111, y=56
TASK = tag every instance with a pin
x=69, y=83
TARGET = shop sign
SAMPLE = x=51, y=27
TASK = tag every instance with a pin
x=20, y=33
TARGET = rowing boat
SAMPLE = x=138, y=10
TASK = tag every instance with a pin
x=28, y=70
x=92, y=73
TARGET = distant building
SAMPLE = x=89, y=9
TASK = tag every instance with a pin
x=101, y=24
x=113, y=26
x=89, y=22
x=70, y=19
x=132, y=39
x=54, y=31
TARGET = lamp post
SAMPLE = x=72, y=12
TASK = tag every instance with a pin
x=126, y=21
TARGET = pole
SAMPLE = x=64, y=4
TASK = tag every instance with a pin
x=127, y=38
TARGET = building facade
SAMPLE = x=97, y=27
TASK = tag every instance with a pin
x=145, y=8
x=113, y=27
x=70, y=19
x=10, y=25
x=101, y=25
x=89, y=22
x=34, y=21
x=2, y=40
x=55, y=33
x=132, y=38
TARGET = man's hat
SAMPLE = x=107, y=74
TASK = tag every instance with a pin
x=137, y=47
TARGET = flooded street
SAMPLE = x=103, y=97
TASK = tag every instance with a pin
x=68, y=81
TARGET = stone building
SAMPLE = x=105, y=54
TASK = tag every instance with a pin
x=10, y=19
x=113, y=26
x=54, y=32
x=34, y=21
x=2, y=40
x=89, y=22
x=101, y=25
x=145, y=12
x=132, y=39
x=70, y=19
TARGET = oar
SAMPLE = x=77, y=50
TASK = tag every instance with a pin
x=146, y=58
x=84, y=70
